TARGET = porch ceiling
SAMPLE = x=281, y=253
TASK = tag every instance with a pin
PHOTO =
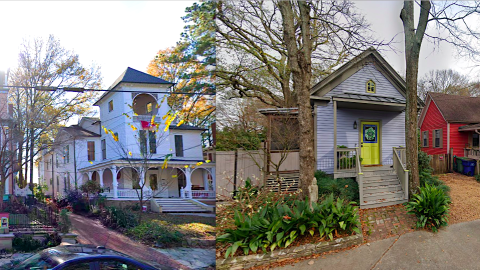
x=470, y=127
x=369, y=102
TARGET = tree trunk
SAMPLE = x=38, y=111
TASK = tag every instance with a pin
x=32, y=145
x=413, y=42
x=300, y=63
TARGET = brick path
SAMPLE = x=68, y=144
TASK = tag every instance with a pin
x=384, y=222
x=93, y=232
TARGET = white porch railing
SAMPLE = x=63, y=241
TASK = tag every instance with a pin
x=471, y=153
x=197, y=194
x=346, y=159
x=399, y=165
x=128, y=193
x=359, y=179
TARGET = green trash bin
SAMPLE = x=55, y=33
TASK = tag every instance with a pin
x=460, y=164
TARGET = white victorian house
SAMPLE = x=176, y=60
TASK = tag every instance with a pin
x=118, y=147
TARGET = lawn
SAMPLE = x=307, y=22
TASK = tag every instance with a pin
x=465, y=196
x=191, y=226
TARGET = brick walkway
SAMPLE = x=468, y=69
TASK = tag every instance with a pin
x=384, y=222
x=93, y=232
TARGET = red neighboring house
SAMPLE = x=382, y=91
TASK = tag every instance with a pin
x=450, y=121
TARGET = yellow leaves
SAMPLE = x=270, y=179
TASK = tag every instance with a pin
x=174, y=176
x=152, y=120
x=199, y=163
x=181, y=122
x=115, y=137
x=186, y=166
x=132, y=127
x=165, y=165
x=91, y=162
x=135, y=114
x=130, y=153
x=208, y=161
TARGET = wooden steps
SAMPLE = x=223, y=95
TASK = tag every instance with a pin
x=381, y=187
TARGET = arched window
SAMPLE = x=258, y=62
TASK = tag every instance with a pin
x=371, y=87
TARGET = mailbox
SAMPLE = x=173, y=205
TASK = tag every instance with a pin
x=4, y=217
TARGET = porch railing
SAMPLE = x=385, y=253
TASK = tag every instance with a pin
x=128, y=193
x=346, y=159
x=197, y=194
x=402, y=154
x=399, y=166
x=359, y=178
x=471, y=153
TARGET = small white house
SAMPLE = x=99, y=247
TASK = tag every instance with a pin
x=121, y=144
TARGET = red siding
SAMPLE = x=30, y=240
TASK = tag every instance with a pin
x=458, y=139
x=434, y=120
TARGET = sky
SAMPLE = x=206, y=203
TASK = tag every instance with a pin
x=113, y=35
x=384, y=19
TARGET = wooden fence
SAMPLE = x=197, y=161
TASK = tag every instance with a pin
x=249, y=164
x=442, y=163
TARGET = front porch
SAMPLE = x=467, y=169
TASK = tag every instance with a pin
x=127, y=181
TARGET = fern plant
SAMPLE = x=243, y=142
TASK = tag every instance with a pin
x=431, y=207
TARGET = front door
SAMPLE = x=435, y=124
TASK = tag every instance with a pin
x=370, y=143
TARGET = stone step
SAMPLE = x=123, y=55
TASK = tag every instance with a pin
x=381, y=203
x=383, y=195
x=178, y=206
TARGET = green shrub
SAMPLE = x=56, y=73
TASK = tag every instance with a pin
x=477, y=177
x=52, y=240
x=64, y=222
x=430, y=206
x=118, y=218
x=320, y=174
x=343, y=188
x=26, y=243
x=279, y=225
x=157, y=233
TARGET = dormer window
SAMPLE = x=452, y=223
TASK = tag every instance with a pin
x=371, y=87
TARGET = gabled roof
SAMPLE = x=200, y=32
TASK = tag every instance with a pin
x=131, y=75
x=454, y=108
x=339, y=75
x=77, y=131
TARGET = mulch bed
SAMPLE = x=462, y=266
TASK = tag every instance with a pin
x=465, y=196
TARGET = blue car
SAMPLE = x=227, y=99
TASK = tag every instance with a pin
x=81, y=257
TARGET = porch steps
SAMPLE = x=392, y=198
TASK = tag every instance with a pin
x=174, y=205
x=381, y=187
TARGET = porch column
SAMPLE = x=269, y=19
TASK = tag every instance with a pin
x=334, y=136
x=188, y=176
x=100, y=173
x=89, y=176
x=214, y=184
x=141, y=181
x=114, y=182
x=205, y=179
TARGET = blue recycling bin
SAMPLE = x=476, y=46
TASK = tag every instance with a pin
x=468, y=166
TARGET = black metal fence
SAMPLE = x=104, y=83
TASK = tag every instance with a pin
x=40, y=217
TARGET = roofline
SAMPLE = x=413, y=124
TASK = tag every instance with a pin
x=110, y=90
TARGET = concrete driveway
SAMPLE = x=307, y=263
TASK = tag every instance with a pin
x=454, y=247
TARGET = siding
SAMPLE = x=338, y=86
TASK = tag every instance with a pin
x=458, y=139
x=392, y=132
x=434, y=120
x=357, y=84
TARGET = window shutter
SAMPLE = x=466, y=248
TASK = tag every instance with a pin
x=179, y=145
x=426, y=135
x=441, y=138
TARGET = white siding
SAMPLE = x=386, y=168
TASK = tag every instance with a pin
x=357, y=84
x=392, y=132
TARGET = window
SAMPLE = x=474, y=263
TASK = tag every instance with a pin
x=152, y=142
x=65, y=183
x=58, y=182
x=437, y=138
x=149, y=107
x=91, y=151
x=475, y=141
x=143, y=142
x=179, y=145
x=110, y=105
x=104, y=149
x=68, y=180
x=425, y=139
x=56, y=160
x=371, y=87
x=66, y=154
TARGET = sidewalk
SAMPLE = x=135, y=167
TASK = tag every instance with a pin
x=93, y=232
x=454, y=247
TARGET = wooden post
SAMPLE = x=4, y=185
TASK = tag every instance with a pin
x=334, y=137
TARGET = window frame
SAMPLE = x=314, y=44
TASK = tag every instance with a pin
x=367, y=87
x=473, y=140
x=90, y=158
x=425, y=138
x=152, y=142
x=178, y=153
x=104, y=149
x=110, y=105
x=440, y=141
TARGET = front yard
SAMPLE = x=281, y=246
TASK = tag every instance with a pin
x=465, y=196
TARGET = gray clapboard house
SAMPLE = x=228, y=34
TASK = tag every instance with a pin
x=359, y=113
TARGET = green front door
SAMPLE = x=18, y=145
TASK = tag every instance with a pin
x=370, y=143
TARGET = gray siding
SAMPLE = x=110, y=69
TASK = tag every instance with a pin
x=357, y=84
x=392, y=132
